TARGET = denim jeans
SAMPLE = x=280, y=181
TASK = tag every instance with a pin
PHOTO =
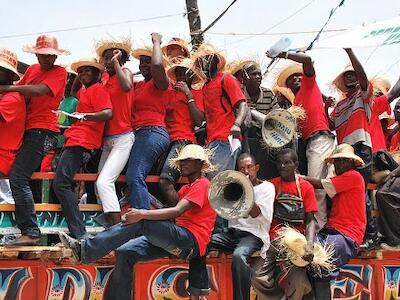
x=160, y=239
x=242, y=245
x=36, y=144
x=150, y=143
x=69, y=164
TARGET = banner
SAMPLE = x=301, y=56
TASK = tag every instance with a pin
x=370, y=35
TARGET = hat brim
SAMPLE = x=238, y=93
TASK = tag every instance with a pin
x=186, y=49
x=8, y=67
x=171, y=73
x=137, y=53
x=45, y=51
x=287, y=72
x=174, y=163
x=286, y=92
x=240, y=66
x=113, y=45
x=357, y=160
x=75, y=66
x=338, y=82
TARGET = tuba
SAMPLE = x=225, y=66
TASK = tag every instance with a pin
x=231, y=195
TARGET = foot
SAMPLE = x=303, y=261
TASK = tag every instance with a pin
x=387, y=247
x=23, y=240
x=369, y=245
x=72, y=244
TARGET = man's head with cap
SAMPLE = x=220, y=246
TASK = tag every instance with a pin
x=344, y=159
x=8, y=67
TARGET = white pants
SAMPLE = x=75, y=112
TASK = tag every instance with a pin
x=319, y=148
x=113, y=159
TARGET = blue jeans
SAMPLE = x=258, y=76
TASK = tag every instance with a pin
x=223, y=159
x=69, y=164
x=160, y=239
x=36, y=144
x=150, y=143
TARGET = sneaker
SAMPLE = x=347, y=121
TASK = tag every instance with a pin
x=387, y=247
x=72, y=244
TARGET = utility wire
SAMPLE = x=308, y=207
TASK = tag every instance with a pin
x=92, y=26
x=275, y=33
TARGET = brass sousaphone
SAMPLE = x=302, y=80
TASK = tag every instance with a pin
x=231, y=195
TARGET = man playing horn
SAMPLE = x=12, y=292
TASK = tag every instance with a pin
x=289, y=188
x=247, y=235
x=346, y=224
x=300, y=79
x=183, y=230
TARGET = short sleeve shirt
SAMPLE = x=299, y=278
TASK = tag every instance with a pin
x=89, y=134
x=39, y=108
x=379, y=106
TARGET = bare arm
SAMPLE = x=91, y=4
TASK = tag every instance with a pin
x=158, y=74
x=329, y=102
x=310, y=236
x=255, y=211
x=124, y=76
x=394, y=92
x=358, y=69
x=241, y=110
x=317, y=184
x=305, y=60
x=196, y=115
x=99, y=116
x=27, y=90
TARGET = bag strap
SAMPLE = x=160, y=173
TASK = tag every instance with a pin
x=297, y=181
x=224, y=94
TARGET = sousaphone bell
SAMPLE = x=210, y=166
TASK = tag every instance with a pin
x=231, y=195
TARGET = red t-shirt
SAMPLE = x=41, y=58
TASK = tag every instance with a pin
x=89, y=134
x=12, y=127
x=39, y=109
x=150, y=105
x=395, y=142
x=199, y=219
x=309, y=201
x=122, y=101
x=178, y=119
x=379, y=106
x=348, y=214
x=351, y=117
x=309, y=97
x=219, y=120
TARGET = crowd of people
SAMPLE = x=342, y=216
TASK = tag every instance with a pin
x=182, y=120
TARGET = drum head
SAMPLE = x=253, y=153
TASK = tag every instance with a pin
x=278, y=128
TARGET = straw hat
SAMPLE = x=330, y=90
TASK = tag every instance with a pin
x=338, y=82
x=241, y=64
x=145, y=51
x=207, y=49
x=380, y=84
x=87, y=62
x=122, y=44
x=292, y=247
x=45, y=44
x=285, y=92
x=193, y=151
x=179, y=42
x=287, y=72
x=345, y=151
x=9, y=61
x=184, y=63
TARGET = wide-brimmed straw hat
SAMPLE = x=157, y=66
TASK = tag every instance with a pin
x=285, y=73
x=45, y=44
x=144, y=51
x=9, y=61
x=292, y=247
x=87, y=62
x=193, y=151
x=285, y=92
x=184, y=63
x=338, y=82
x=240, y=65
x=105, y=44
x=179, y=42
x=206, y=49
x=345, y=151
x=380, y=84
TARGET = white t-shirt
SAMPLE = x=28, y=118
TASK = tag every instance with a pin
x=264, y=197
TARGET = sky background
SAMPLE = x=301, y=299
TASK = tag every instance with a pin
x=23, y=20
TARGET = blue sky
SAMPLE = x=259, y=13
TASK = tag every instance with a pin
x=245, y=16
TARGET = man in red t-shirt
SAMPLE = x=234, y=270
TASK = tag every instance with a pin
x=84, y=136
x=12, y=113
x=151, y=234
x=315, y=132
x=43, y=87
x=288, y=184
x=346, y=224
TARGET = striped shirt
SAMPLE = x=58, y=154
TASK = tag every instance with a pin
x=265, y=102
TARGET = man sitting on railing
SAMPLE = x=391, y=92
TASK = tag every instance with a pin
x=150, y=234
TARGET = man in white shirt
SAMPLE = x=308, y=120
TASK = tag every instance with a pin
x=245, y=236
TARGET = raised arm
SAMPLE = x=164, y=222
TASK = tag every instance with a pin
x=241, y=110
x=124, y=76
x=196, y=115
x=358, y=69
x=158, y=74
x=305, y=60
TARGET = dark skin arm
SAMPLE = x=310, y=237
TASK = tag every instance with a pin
x=99, y=116
x=394, y=92
x=158, y=74
x=255, y=211
x=305, y=60
x=76, y=85
x=196, y=115
x=135, y=215
x=124, y=76
x=310, y=235
x=358, y=69
x=317, y=184
x=241, y=108
x=27, y=90
x=393, y=132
